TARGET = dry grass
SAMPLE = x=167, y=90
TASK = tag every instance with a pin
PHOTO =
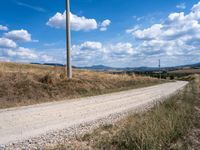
x=191, y=140
x=160, y=128
x=22, y=84
x=186, y=71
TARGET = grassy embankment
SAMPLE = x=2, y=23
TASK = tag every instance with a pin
x=173, y=124
x=22, y=84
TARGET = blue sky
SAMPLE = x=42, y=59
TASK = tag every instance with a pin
x=118, y=33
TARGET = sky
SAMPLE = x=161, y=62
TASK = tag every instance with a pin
x=116, y=33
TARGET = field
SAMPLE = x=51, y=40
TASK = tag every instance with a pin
x=186, y=71
x=23, y=84
x=173, y=124
x=175, y=74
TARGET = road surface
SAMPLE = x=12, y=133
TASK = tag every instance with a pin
x=31, y=121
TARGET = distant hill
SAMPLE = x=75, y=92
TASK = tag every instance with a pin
x=138, y=69
x=98, y=67
x=193, y=65
x=106, y=68
x=53, y=64
x=132, y=69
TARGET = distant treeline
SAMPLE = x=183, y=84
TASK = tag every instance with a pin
x=163, y=75
x=170, y=76
x=52, y=64
x=48, y=64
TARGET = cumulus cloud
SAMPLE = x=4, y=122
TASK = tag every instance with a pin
x=7, y=43
x=121, y=50
x=19, y=35
x=90, y=52
x=87, y=53
x=77, y=23
x=91, y=45
x=178, y=35
x=3, y=28
x=24, y=55
x=104, y=25
x=148, y=33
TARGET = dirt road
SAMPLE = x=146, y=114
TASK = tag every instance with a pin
x=26, y=122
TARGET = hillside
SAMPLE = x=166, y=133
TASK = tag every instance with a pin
x=23, y=84
x=131, y=69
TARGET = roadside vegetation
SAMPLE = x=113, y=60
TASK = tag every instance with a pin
x=23, y=84
x=172, y=124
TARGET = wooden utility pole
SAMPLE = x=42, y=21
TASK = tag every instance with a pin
x=68, y=41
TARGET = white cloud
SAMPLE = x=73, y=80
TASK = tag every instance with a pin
x=19, y=35
x=133, y=29
x=24, y=55
x=58, y=20
x=118, y=48
x=175, y=40
x=122, y=49
x=46, y=58
x=148, y=33
x=181, y=6
x=7, y=43
x=77, y=23
x=90, y=53
x=3, y=28
x=91, y=45
x=3, y=59
x=196, y=7
x=178, y=35
x=104, y=25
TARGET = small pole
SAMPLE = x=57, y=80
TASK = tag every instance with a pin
x=68, y=41
x=159, y=69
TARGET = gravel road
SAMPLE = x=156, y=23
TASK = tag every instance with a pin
x=20, y=124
